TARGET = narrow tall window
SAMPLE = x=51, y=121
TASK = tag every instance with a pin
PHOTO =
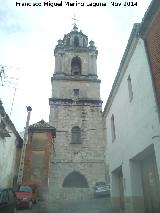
x=76, y=135
x=113, y=128
x=76, y=66
x=130, y=91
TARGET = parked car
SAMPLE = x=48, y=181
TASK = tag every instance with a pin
x=101, y=189
x=26, y=194
x=7, y=200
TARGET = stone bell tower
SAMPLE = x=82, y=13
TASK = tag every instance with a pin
x=76, y=113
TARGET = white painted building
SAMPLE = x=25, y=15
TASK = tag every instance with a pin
x=133, y=133
x=10, y=143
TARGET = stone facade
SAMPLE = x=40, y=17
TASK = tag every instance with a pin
x=76, y=113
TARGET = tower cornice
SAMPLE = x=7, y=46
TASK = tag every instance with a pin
x=71, y=102
x=89, y=78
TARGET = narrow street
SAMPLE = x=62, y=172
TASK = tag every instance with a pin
x=99, y=205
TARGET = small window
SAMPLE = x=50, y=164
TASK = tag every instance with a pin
x=76, y=135
x=113, y=128
x=130, y=91
x=76, y=92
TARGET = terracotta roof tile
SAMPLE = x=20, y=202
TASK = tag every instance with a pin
x=41, y=125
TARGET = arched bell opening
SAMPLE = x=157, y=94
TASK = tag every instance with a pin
x=76, y=66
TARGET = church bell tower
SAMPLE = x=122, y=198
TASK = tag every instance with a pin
x=76, y=113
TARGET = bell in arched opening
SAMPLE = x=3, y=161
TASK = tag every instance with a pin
x=76, y=66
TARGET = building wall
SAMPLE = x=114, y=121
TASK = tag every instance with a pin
x=66, y=63
x=87, y=89
x=63, y=62
x=92, y=171
x=7, y=159
x=89, y=119
x=153, y=44
x=37, y=160
x=86, y=158
x=136, y=128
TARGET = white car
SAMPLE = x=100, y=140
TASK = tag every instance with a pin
x=101, y=189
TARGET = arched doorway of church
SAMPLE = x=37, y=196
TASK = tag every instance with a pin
x=75, y=180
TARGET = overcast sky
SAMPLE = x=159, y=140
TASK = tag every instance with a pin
x=28, y=35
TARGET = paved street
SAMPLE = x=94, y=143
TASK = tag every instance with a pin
x=100, y=205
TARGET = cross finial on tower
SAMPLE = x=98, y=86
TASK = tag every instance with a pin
x=75, y=22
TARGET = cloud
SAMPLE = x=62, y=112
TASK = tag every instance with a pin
x=8, y=20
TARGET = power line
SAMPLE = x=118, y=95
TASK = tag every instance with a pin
x=8, y=81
